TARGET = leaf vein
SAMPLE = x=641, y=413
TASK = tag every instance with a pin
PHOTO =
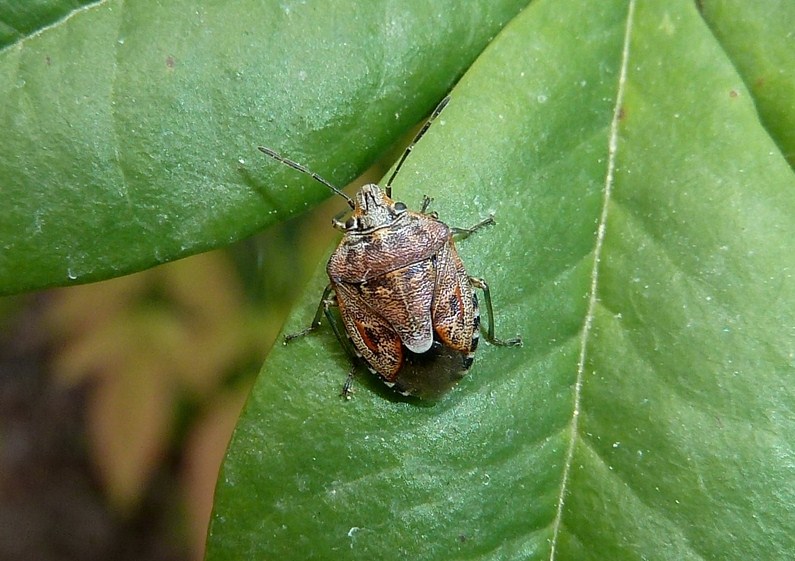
x=24, y=36
x=592, y=299
x=641, y=506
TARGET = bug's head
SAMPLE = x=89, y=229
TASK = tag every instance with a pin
x=372, y=209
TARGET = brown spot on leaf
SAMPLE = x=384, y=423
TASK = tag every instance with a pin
x=170, y=62
x=733, y=93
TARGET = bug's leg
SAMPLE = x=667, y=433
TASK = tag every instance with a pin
x=426, y=202
x=464, y=233
x=325, y=303
x=337, y=222
x=339, y=333
x=347, y=387
x=328, y=301
x=481, y=284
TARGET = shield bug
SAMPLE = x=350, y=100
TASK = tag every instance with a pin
x=407, y=306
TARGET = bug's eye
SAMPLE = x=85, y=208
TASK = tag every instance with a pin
x=350, y=224
x=400, y=207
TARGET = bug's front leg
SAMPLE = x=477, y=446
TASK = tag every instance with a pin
x=464, y=233
x=426, y=202
x=514, y=342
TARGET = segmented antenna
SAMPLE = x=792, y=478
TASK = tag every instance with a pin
x=295, y=165
x=410, y=147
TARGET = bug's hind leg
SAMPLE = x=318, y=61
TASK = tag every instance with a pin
x=489, y=333
x=347, y=387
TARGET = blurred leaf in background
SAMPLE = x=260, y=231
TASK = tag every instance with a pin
x=157, y=365
x=147, y=342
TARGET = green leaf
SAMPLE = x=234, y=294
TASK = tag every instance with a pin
x=643, y=249
x=758, y=38
x=22, y=19
x=129, y=130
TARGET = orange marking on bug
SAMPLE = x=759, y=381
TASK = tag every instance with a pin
x=446, y=332
x=365, y=337
x=459, y=299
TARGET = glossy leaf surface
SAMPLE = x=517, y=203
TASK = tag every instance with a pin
x=129, y=129
x=643, y=248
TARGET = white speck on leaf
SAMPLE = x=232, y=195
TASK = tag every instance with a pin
x=351, y=533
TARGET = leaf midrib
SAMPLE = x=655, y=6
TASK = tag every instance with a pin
x=592, y=298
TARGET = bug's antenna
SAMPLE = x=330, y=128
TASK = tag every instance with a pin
x=295, y=165
x=410, y=147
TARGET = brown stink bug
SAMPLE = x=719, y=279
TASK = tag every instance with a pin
x=406, y=302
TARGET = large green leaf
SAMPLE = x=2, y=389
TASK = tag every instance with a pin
x=129, y=129
x=643, y=248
